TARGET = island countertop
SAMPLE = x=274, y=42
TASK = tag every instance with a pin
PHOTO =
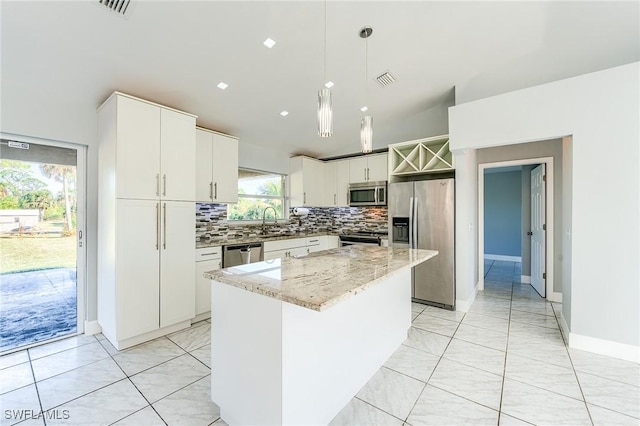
x=321, y=279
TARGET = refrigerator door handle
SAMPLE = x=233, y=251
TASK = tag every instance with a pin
x=414, y=225
x=411, y=223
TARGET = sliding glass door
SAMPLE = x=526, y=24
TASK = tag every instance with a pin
x=41, y=241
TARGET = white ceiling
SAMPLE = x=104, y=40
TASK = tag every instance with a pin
x=175, y=52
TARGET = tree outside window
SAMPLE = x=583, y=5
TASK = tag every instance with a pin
x=257, y=191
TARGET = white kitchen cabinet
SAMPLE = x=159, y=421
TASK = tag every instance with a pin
x=177, y=271
x=285, y=248
x=336, y=183
x=155, y=149
x=153, y=268
x=306, y=182
x=216, y=167
x=146, y=213
x=207, y=259
x=134, y=305
x=368, y=168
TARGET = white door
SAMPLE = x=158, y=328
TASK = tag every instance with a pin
x=225, y=169
x=137, y=257
x=203, y=285
x=538, y=229
x=358, y=170
x=138, y=150
x=330, y=195
x=342, y=183
x=177, y=268
x=377, y=167
x=204, y=165
x=178, y=156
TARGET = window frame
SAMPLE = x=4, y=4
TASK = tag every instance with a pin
x=283, y=197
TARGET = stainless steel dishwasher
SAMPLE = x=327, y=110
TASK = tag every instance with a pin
x=241, y=254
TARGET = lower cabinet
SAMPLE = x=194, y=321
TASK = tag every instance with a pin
x=146, y=273
x=207, y=259
x=298, y=246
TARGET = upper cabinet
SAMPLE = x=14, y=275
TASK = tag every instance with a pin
x=430, y=155
x=368, y=168
x=306, y=182
x=336, y=183
x=216, y=167
x=155, y=149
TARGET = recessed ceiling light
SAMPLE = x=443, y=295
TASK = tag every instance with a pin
x=284, y=113
x=269, y=43
x=329, y=84
x=364, y=108
x=222, y=85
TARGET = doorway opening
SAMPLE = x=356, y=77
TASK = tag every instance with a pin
x=540, y=255
x=41, y=240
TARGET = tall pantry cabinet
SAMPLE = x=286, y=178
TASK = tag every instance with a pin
x=146, y=233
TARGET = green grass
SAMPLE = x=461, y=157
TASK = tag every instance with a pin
x=29, y=253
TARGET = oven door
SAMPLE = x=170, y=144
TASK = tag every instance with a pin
x=350, y=241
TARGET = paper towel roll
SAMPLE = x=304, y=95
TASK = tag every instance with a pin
x=300, y=211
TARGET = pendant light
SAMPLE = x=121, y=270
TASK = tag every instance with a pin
x=366, y=122
x=325, y=112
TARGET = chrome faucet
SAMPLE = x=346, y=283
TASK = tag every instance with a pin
x=264, y=217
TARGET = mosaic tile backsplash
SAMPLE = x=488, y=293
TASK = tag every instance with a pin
x=212, y=223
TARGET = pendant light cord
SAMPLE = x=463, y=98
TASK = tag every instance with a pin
x=366, y=71
x=325, y=42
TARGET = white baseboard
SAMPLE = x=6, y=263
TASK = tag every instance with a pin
x=605, y=347
x=92, y=327
x=201, y=317
x=503, y=257
x=525, y=279
x=554, y=297
x=464, y=305
x=564, y=328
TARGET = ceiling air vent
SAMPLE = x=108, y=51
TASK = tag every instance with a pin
x=118, y=6
x=385, y=79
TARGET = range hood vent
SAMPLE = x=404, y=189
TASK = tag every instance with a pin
x=118, y=6
x=385, y=79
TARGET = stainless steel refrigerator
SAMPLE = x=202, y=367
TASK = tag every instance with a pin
x=421, y=215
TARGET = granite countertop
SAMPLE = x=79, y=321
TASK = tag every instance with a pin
x=321, y=279
x=261, y=238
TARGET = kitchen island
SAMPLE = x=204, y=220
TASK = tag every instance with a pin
x=293, y=340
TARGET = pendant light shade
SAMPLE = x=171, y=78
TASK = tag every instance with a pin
x=325, y=113
x=366, y=134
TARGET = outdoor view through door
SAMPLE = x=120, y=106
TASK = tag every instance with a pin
x=38, y=241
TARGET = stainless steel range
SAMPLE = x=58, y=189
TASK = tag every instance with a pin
x=362, y=237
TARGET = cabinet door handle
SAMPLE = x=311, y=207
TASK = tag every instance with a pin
x=334, y=199
x=308, y=251
x=304, y=198
x=209, y=254
x=365, y=173
x=164, y=226
x=215, y=190
x=157, y=226
x=211, y=190
x=164, y=184
x=158, y=185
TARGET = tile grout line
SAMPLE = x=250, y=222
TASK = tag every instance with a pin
x=506, y=351
x=35, y=385
x=575, y=373
x=434, y=369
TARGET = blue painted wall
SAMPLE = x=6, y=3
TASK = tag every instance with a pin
x=503, y=213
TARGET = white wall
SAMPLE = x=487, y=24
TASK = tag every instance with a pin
x=600, y=110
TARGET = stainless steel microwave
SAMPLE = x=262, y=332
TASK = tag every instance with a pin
x=368, y=194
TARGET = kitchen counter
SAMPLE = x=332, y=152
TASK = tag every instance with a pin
x=329, y=319
x=260, y=238
x=322, y=279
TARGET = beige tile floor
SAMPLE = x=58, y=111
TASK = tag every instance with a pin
x=503, y=362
